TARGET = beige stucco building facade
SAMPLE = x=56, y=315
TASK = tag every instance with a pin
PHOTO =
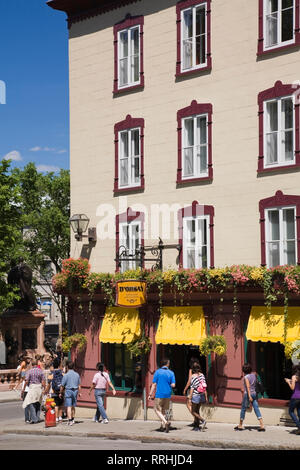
x=232, y=86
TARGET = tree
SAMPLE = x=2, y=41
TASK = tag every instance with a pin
x=11, y=244
x=45, y=205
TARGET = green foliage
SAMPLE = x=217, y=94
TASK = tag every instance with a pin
x=10, y=232
x=213, y=344
x=77, y=341
x=139, y=346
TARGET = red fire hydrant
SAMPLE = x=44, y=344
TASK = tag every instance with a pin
x=50, y=415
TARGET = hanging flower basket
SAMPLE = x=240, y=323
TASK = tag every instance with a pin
x=139, y=346
x=213, y=344
x=77, y=341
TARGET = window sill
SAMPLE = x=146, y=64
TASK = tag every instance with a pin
x=128, y=89
x=186, y=182
x=278, y=169
x=132, y=189
x=192, y=72
x=274, y=50
x=124, y=393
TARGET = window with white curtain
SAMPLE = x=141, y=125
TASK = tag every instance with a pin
x=279, y=132
x=281, y=236
x=193, y=37
x=130, y=240
x=129, y=57
x=194, y=147
x=279, y=22
x=129, y=158
x=196, y=242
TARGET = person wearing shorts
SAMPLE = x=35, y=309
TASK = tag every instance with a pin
x=163, y=382
x=71, y=385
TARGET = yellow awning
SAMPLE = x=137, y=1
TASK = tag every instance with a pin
x=268, y=325
x=120, y=325
x=181, y=325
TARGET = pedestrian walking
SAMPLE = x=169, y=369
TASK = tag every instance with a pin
x=54, y=384
x=71, y=387
x=249, y=398
x=162, y=384
x=100, y=383
x=186, y=390
x=294, y=384
x=197, y=396
x=35, y=381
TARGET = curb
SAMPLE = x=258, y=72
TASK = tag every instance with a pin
x=213, y=444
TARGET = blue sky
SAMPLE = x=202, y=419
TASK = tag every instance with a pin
x=34, y=121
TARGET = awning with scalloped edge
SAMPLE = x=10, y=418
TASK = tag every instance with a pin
x=120, y=325
x=268, y=324
x=181, y=325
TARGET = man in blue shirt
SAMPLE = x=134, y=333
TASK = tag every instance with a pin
x=162, y=384
x=71, y=385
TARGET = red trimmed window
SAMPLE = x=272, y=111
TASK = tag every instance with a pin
x=129, y=238
x=196, y=236
x=278, y=25
x=280, y=230
x=128, y=50
x=279, y=145
x=129, y=154
x=194, y=143
x=193, y=36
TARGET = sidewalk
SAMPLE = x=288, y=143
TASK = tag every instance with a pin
x=216, y=435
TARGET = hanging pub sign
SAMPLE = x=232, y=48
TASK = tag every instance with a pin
x=131, y=293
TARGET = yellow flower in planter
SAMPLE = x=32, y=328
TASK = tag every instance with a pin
x=257, y=274
x=169, y=275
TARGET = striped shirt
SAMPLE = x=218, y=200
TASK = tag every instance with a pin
x=34, y=376
x=197, y=381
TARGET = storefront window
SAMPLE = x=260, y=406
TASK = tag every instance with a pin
x=272, y=366
x=180, y=357
x=123, y=370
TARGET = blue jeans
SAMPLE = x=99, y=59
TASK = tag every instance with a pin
x=35, y=409
x=245, y=405
x=295, y=404
x=99, y=395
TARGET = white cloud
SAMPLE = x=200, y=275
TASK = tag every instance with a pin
x=13, y=155
x=42, y=149
x=47, y=168
x=62, y=151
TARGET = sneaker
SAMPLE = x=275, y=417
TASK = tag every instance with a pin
x=71, y=422
x=105, y=421
x=203, y=424
x=196, y=428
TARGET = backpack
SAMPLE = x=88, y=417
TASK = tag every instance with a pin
x=202, y=384
x=259, y=388
x=56, y=380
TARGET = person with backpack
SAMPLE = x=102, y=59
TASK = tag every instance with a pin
x=249, y=397
x=197, y=396
x=100, y=382
x=55, y=381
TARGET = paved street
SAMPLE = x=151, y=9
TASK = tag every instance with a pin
x=138, y=434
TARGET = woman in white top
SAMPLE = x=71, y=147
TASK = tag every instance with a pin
x=100, y=381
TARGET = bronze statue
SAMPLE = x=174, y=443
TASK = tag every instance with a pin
x=21, y=275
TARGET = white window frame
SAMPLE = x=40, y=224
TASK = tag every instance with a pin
x=281, y=241
x=130, y=247
x=279, y=27
x=194, y=66
x=280, y=147
x=130, y=64
x=197, y=246
x=197, y=173
x=131, y=159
